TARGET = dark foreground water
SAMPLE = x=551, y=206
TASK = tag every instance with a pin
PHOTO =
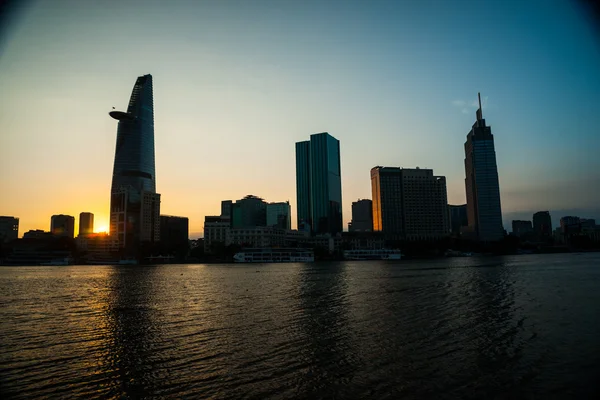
x=513, y=327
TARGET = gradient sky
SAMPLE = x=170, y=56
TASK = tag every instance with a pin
x=237, y=83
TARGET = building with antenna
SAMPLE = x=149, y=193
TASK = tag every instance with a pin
x=484, y=212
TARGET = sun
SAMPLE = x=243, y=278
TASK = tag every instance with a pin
x=101, y=229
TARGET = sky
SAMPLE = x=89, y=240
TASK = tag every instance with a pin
x=237, y=83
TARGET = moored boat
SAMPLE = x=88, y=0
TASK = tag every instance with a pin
x=274, y=255
x=376, y=254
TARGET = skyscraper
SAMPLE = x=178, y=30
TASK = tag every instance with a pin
x=86, y=223
x=134, y=204
x=484, y=212
x=362, y=216
x=279, y=215
x=9, y=228
x=542, y=225
x=409, y=204
x=62, y=225
x=319, y=184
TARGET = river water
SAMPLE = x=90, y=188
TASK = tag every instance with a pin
x=507, y=327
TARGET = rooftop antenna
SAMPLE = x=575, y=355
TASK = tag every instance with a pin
x=479, y=95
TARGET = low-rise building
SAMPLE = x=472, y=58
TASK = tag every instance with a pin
x=9, y=228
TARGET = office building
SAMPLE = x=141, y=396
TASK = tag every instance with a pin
x=249, y=212
x=542, y=225
x=362, y=216
x=216, y=232
x=226, y=206
x=521, y=228
x=279, y=215
x=135, y=205
x=484, y=212
x=458, y=218
x=9, y=228
x=174, y=234
x=62, y=225
x=319, y=184
x=409, y=204
x=570, y=225
x=86, y=223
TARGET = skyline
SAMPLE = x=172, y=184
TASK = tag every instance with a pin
x=229, y=95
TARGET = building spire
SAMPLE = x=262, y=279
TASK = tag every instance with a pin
x=479, y=96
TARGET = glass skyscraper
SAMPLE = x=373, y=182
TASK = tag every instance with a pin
x=484, y=213
x=319, y=184
x=135, y=205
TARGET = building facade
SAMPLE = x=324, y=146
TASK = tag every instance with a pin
x=249, y=212
x=135, y=205
x=482, y=186
x=174, y=234
x=521, y=228
x=279, y=215
x=362, y=216
x=458, y=218
x=216, y=232
x=62, y=225
x=9, y=228
x=86, y=223
x=319, y=184
x=409, y=204
x=542, y=225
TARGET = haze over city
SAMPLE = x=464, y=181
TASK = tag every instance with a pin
x=237, y=83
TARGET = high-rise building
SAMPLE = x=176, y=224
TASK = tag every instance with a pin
x=484, y=212
x=226, y=208
x=86, y=223
x=521, y=228
x=362, y=216
x=570, y=225
x=249, y=212
x=279, y=215
x=174, y=234
x=542, y=225
x=62, y=225
x=319, y=184
x=9, y=228
x=135, y=205
x=409, y=204
x=458, y=218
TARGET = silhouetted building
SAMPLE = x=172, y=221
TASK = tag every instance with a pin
x=279, y=215
x=484, y=212
x=174, y=234
x=319, y=184
x=135, y=205
x=409, y=204
x=362, y=216
x=37, y=234
x=521, y=228
x=62, y=225
x=458, y=217
x=216, y=232
x=249, y=212
x=226, y=206
x=86, y=223
x=542, y=225
x=9, y=228
x=570, y=225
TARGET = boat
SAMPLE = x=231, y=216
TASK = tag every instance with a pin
x=376, y=254
x=128, y=261
x=274, y=255
x=58, y=261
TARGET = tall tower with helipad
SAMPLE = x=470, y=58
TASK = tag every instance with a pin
x=134, y=203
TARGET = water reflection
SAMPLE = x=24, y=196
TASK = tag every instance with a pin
x=329, y=355
x=134, y=330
